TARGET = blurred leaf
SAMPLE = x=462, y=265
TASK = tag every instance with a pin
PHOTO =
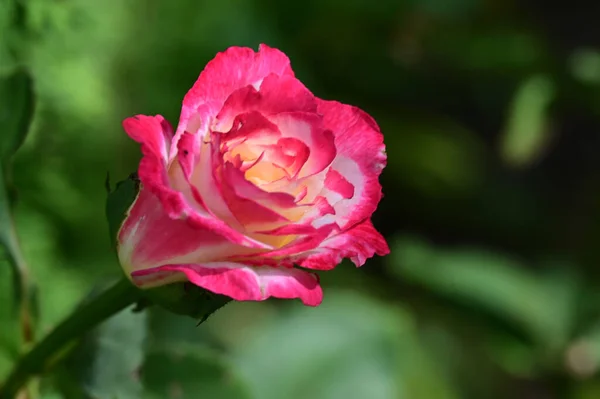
x=447, y=9
x=585, y=65
x=515, y=356
x=189, y=373
x=351, y=347
x=16, y=112
x=8, y=9
x=494, y=49
x=433, y=155
x=9, y=329
x=585, y=390
x=106, y=364
x=527, y=132
x=542, y=305
x=118, y=203
x=168, y=328
x=501, y=50
x=187, y=299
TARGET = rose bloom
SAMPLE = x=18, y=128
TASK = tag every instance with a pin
x=259, y=177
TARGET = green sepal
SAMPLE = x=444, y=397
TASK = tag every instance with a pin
x=118, y=203
x=187, y=299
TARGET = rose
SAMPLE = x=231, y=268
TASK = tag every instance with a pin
x=259, y=176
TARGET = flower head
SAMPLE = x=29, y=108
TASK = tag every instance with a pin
x=260, y=175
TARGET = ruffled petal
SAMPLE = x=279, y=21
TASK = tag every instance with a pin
x=154, y=134
x=308, y=128
x=360, y=159
x=301, y=243
x=251, y=214
x=177, y=203
x=149, y=238
x=238, y=281
x=359, y=244
x=275, y=95
x=233, y=69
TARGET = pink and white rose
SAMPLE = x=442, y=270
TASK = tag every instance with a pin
x=260, y=175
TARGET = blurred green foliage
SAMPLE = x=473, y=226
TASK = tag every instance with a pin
x=491, y=115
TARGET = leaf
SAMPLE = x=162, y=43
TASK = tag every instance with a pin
x=16, y=112
x=168, y=328
x=10, y=26
x=118, y=203
x=495, y=49
x=527, y=132
x=9, y=327
x=52, y=395
x=187, y=299
x=190, y=373
x=584, y=64
x=350, y=347
x=542, y=305
x=106, y=364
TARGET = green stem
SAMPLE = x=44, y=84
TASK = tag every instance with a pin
x=86, y=317
x=21, y=277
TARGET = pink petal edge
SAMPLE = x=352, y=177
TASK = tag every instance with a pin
x=229, y=71
x=239, y=281
x=359, y=244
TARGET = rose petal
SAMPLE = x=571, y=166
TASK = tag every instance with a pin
x=250, y=213
x=206, y=182
x=229, y=71
x=359, y=244
x=250, y=126
x=153, y=175
x=149, y=237
x=308, y=128
x=238, y=281
x=302, y=243
x=360, y=159
x=276, y=94
x=153, y=132
x=335, y=182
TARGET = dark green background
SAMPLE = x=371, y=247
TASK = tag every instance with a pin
x=491, y=116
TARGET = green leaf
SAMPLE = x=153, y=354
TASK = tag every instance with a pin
x=106, y=364
x=527, y=133
x=16, y=112
x=9, y=327
x=497, y=49
x=584, y=65
x=118, y=203
x=543, y=305
x=350, y=347
x=187, y=299
x=190, y=373
x=8, y=29
x=168, y=328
